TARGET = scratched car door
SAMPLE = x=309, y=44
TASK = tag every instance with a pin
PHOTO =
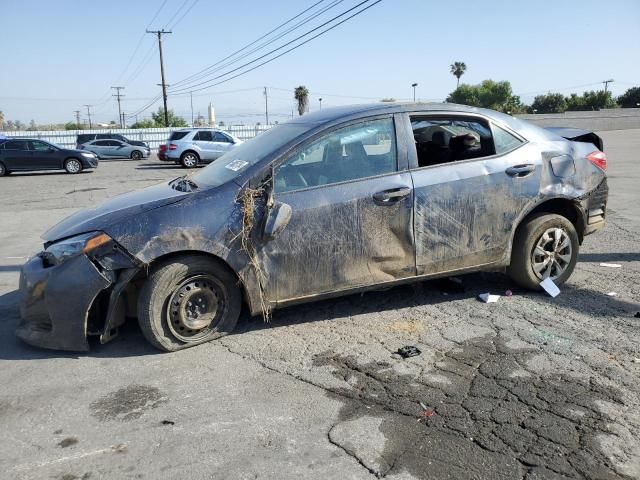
x=351, y=222
x=472, y=181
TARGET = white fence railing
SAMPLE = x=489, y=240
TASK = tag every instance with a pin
x=153, y=136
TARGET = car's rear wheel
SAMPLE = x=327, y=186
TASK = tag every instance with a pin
x=3, y=170
x=187, y=301
x=73, y=165
x=136, y=155
x=189, y=159
x=545, y=246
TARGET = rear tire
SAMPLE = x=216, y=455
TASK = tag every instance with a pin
x=3, y=170
x=546, y=245
x=136, y=155
x=187, y=301
x=73, y=165
x=189, y=159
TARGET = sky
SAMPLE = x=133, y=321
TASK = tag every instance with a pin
x=60, y=55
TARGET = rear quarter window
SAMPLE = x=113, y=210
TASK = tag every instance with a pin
x=177, y=136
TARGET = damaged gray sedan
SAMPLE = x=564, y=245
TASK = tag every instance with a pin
x=339, y=201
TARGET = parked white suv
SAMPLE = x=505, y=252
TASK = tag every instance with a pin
x=192, y=146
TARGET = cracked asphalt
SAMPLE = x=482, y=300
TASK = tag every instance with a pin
x=529, y=387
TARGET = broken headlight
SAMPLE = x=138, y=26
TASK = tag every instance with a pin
x=61, y=251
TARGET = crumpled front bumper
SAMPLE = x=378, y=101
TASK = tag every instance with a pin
x=55, y=302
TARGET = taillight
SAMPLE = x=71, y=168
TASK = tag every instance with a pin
x=599, y=159
x=172, y=146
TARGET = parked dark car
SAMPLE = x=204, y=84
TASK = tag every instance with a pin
x=29, y=154
x=83, y=138
x=338, y=201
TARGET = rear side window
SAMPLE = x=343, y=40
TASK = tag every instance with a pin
x=504, y=141
x=177, y=135
x=204, y=136
x=441, y=140
x=15, y=145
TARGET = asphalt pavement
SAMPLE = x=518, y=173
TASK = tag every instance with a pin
x=528, y=387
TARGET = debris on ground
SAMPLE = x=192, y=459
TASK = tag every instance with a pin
x=612, y=294
x=611, y=265
x=488, y=298
x=550, y=287
x=168, y=422
x=508, y=293
x=408, y=351
x=450, y=285
x=426, y=413
x=636, y=360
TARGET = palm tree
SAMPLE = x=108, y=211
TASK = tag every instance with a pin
x=458, y=69
x=301, y=94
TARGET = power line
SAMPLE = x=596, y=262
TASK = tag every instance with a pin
x=286, y=51
x=207, y=69
x=289, y=43
x=173, y=25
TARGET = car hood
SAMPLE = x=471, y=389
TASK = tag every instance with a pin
x=114, y=210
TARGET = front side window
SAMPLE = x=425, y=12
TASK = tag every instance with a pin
x=504, y=141
x=114, y=143
x=221, y=137
x=39, y=146
x=204, y=136
x=101, y=143
x=358, y=151
x=442, y=140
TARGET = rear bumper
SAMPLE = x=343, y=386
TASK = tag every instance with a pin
x=595, y=208
x=55, y=302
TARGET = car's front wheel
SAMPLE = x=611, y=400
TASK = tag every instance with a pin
x=545, y=246
x=189, y=159
x=136, y=155
x=73, y=165
x=187, y=301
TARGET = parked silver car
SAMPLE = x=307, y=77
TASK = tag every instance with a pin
x=190, y=146
x=116, y=149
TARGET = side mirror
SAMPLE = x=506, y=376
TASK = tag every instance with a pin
x=278, y=218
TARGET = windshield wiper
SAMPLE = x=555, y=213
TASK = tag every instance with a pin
x=183, y=184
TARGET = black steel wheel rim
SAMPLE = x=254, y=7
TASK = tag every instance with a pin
x=196, y=307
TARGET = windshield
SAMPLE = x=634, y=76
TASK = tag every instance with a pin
x=238, y=159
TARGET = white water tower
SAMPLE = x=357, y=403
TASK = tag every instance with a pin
x=212, y=115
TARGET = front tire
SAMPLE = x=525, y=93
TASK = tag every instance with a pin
x=545, y=246
x=136, y=155
x=73, y=165
x=188, y=301
x=189, y=159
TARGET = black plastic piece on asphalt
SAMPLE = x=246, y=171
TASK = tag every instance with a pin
x=637, y=315
x=409, y=351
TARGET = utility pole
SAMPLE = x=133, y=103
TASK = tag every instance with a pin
x=320, y=100
x=118, y=95
x=191, y=95
x=122, y=121
x=606, y=84
x=77, y=112
x=89, y=114
x=164, y=85
x=266, y=105
x=414, y=85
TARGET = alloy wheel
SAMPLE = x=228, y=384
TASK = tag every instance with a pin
x=190, y=160
x=552, y=254
x=73, y=166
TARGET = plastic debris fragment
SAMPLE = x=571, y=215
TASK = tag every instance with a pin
x=550, y=287
x=488, y=298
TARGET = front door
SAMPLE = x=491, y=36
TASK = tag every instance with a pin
x=351, y=223
x=42, y=156
x=472, y=180
x=206, y=147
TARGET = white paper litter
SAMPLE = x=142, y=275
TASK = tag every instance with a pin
x=488, y=298
x=237, y=165
x=611, y=265
x=612, y=294
x=550, y=287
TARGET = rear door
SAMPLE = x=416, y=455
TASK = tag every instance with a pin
x=472, y=179
x=203, y=139
x=351, y=224
x=16, y=155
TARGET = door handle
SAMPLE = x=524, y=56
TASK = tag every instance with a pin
x=520, y=170
x=391, y=196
